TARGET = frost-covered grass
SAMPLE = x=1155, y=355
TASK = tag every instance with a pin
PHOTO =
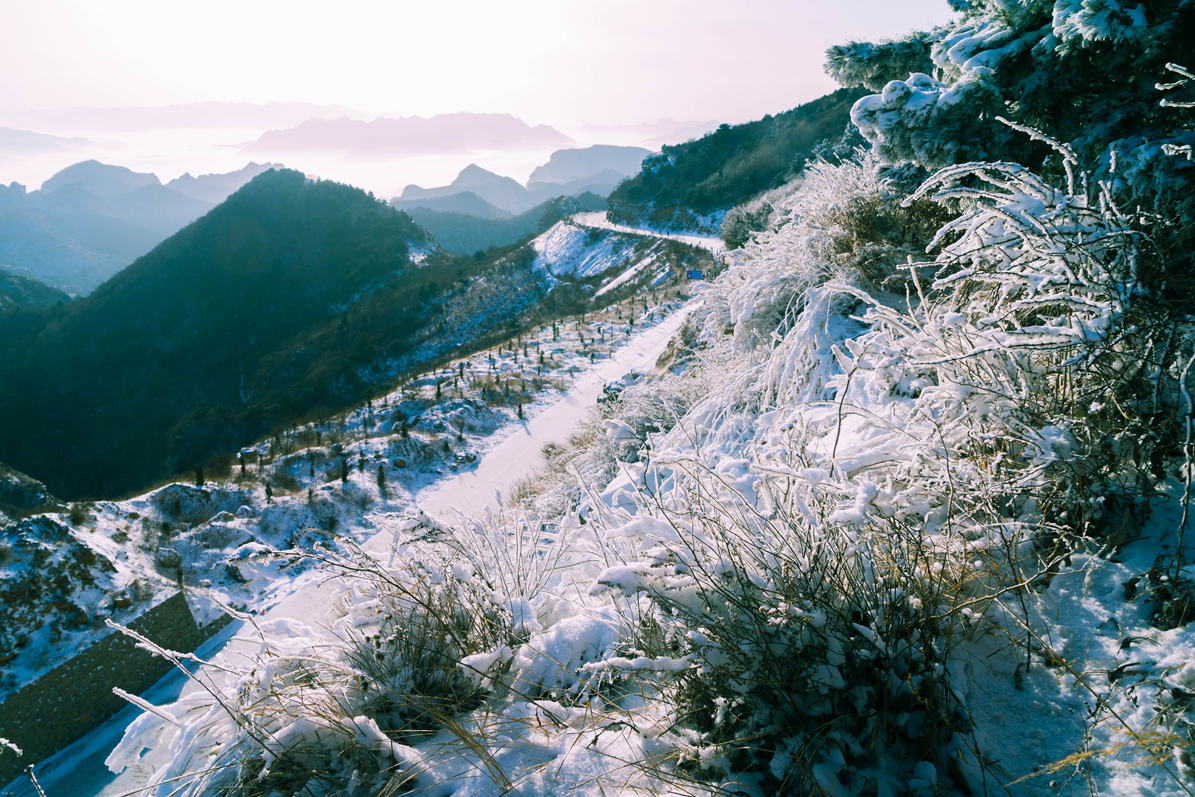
x=872, y=527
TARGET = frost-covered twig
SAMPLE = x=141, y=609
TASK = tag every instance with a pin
x=33, y=780
x=1185, y=77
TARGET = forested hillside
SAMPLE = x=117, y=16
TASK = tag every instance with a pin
x=18, y=293
x=689, y=186
x=293, y=299
x=184, y=353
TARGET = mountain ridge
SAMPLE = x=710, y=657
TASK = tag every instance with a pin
x=597, y=169
x=186, y=323
x=91, y=219
x=690, y=186
x=409, y=135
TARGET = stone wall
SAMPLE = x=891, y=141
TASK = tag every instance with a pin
x=61, y=706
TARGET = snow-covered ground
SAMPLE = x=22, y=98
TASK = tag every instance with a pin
x=806, y=554
x=519, y=453
x=845, y=538
x=619, y=257
x=508, y=450
x=564, y=251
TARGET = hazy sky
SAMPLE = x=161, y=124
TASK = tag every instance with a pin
x=554, y=61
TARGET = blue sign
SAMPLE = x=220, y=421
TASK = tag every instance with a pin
x=693, y=274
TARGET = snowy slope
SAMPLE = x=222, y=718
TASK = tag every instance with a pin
x=571, y=250
x=804, y=553
x=227, y=537
x=565, y=250
x=605, y=260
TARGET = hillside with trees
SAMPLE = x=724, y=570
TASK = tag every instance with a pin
x=18, y=292
x=291, y=300
x=175, y=358
x=690, y=186
x=92, y=219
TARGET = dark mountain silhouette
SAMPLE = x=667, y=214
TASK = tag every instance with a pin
x=410, y=135
x=465, y=203
x=501, y=192
x=157, y=208
x=99, y=179
x=568, y=172
x=480, y=209
x=185, y=352
x=600, y=183
x=215, y=188
x=37, y=240
x=92, y=219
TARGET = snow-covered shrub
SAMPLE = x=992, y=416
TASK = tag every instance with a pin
x=927, y=121
x=846, y=222
x=187, y=504
x=1039, y=318
x=741, y=221
x=876, y=233
x=333, y=714
x=810, y=657
x=867, y=486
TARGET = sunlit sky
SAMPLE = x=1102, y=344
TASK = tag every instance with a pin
x=566, y=63
x=555, y=61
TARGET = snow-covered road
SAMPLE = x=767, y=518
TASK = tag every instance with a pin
x=598, y=219
x=79, y=771
x=520, y=453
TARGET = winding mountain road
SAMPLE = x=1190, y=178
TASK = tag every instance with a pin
x=598, y=219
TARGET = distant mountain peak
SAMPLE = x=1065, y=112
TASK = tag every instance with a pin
x=102, y=179
x=474, y=176
x=473, y=170
x=213, y=188
x=92, y=219
x=568, y=172
x=566, y=165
